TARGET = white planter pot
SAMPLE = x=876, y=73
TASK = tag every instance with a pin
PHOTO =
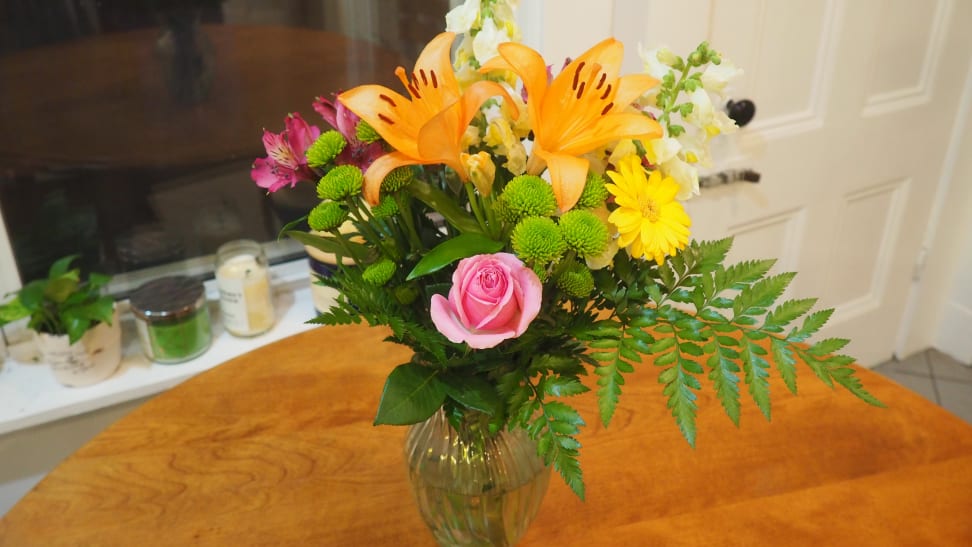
x=91, y=359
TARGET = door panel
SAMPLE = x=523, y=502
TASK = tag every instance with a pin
x=855, y=102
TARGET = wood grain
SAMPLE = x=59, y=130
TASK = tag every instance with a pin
x=277, y=448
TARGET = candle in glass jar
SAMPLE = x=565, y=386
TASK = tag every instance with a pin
x=245, y=296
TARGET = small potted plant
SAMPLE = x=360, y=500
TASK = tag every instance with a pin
x=76, y=327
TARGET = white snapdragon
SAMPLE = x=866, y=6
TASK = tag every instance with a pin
x=461, y=18
x=667, y=154
x=707, y=118
x=715, y=78
x=487, y=40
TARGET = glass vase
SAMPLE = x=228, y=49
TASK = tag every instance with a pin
x=474, y=488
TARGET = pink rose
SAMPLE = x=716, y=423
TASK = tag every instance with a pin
x=493, y=297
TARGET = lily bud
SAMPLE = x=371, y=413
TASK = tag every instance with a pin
x=481, y=171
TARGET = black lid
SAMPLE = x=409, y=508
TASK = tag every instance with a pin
x=167, y=297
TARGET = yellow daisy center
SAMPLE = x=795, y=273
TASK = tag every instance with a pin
x=649, y=209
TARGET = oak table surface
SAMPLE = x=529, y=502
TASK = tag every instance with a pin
x=276, y=447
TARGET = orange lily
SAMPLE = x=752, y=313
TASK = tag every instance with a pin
x=427, y=127
x=582, y=109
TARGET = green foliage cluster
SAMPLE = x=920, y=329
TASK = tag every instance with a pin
x=61, y=304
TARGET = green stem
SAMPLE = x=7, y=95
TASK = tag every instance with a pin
x=474, y=205
x=405, y=211
x=673, y=98
x=446, y=206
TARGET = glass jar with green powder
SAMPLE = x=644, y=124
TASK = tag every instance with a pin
x=172, y=319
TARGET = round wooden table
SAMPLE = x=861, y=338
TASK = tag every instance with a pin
x=276, y=447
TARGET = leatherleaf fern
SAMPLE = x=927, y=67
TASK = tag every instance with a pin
x=695, y=319
x=708, y=322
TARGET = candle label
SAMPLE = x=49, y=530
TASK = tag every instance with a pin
x=232, y=302
x=244, y=296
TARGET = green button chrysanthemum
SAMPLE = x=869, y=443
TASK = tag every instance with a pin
x=527, y=196
x=397, y=179
x=386, y=208
x=583, y=232
x=366, y=133
x=379, y=273
x=325, y=149
x=538, y=239
x=327, y=216
x=576, y=281
x=594, y=192
x=339, y=183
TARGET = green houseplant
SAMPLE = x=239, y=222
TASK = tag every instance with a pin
x=76, y=326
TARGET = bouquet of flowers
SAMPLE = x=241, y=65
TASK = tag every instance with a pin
x=519, y=227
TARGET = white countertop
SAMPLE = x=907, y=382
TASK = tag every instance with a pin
x=29, y=394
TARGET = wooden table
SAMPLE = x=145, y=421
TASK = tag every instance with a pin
x=277, y=447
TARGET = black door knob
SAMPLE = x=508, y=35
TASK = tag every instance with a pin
x=741, y=112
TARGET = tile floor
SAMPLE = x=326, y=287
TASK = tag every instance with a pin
x=935, y=376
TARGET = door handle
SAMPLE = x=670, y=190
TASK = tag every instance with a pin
x=729, y=176
x=741, y=112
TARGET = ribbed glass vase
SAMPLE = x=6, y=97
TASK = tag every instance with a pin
x=473, y=488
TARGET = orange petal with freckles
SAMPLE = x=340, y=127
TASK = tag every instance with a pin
x=377, y=172
x=568, y=174
x=631, y=87
x=395, y=124
x=607, y=55
x=436, y=56
x=607, y=129
x=529, y=66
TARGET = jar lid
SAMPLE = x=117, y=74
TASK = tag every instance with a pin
x=168, y=298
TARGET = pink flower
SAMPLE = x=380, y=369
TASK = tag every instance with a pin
x=286, y=162
x=356, y=153
x=493, y=298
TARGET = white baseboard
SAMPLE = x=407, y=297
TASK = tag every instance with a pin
x=955, y=332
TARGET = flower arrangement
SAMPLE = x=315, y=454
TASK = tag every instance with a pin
x=518, y=227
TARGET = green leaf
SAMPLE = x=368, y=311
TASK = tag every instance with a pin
x=828, y=346
x=472, y=392
x=726, y=383
x=662, y=344
x=97, y=280
x=444, y=205
x=811, y=324
x=739, y=275
x=785, y=363
x=324, y=243
x=293, y=225
x=61, y=266
x=75, y=327
x=59, y=289
x=412, y=393
x=12, y=311
x=756, y=371
x=564, y=386
x=451, y=250
x=32, y=295
x=786, y=312
x=712, y=253
x=761, y=294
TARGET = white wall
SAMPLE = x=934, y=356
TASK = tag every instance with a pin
x=942, y=299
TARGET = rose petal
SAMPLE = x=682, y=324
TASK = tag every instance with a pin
x=445, y=321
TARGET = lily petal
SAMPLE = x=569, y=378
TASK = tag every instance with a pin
x=567, y=177
x=379, y=169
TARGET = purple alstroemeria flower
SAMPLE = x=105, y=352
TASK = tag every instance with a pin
x=357, y=153
x=286, y=162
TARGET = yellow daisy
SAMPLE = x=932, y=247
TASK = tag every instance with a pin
x=651, y=223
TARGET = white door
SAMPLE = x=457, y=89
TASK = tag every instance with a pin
x=855, y=103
